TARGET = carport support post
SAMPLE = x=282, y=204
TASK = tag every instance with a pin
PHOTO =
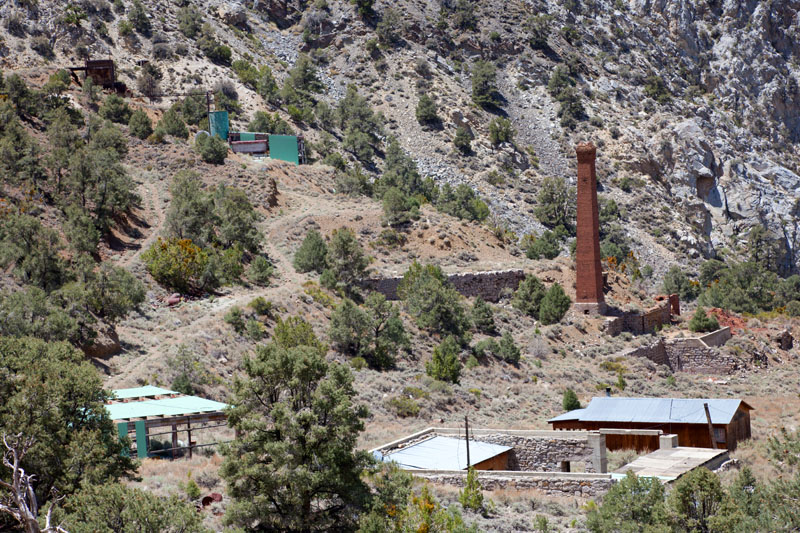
x=597, y=442
x=466, y=425
x=189, y=434
x=174, y=439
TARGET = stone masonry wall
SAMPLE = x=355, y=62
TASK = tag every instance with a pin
x=638, y=323
x=656, y=352
x=656, y=317
x=717, y=338
x=488, y=285
x=690, y=355
x=614, y=326
x=541, y=454
x=562, y=484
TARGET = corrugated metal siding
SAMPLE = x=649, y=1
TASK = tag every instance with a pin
x=218, y=123
x=284, y=147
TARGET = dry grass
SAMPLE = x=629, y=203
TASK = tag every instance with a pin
x=516, y=510
x=165, y=478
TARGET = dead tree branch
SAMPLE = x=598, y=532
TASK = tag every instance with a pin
x=20, y=499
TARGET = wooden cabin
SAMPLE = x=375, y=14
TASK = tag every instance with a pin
x=683, y=417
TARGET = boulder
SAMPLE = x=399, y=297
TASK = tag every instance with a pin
x=784, y=340
x=105, y=344
x=235, y=16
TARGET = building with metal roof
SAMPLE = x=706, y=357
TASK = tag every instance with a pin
x=686, y=417
x=447, y=453
x=140, y=410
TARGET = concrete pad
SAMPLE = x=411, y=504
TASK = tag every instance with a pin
x=669, y=464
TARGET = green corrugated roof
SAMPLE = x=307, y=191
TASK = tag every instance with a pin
x=182, y=405
x=139, y=392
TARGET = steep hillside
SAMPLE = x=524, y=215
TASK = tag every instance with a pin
x=694, y=108
x=680, y=120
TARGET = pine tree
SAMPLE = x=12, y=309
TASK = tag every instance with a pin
x=555, y=305
x=444, y=364
x=139, y=18
x=507, y=349
x=115, y=109
x=484, y=84
x=434, y=303
x=426, y=110
x=569, y=401
x=471, y=496
x=346, y=259
x=294, y=465
x=701, y=322
x=528, y=297
x=140, y=124
x=483, y=316
x=171, y=123
x=463, y=140
x=312, y=253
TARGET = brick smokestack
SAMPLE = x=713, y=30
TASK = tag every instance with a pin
x=589, y=283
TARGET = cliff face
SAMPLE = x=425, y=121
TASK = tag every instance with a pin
x=695, y=103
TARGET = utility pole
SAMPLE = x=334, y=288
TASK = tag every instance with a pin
x=466, y=425
x=710, y=427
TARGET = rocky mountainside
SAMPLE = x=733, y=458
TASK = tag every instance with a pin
x=695, y=105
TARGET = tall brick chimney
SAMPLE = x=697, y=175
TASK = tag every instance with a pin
x=589, y=282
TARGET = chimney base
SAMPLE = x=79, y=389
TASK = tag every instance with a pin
x=590, y=308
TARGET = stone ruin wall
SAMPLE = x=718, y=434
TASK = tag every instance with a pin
x=490, y=285
x=698, y=355
x=717, y=338
x=541, y=454
x=656, y=352
x=573, y=485
x=534, y=464
x=693, y=355
x=639, y=323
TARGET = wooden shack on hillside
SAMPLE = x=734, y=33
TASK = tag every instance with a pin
x=683, y=417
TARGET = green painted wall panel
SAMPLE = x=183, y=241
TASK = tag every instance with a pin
x=141, y=440
x=284, y=147
x=247, y=136
x=218, y=123
x=122, y=431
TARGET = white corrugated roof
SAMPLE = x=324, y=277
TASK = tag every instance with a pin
x=182, y=405
x=444, y=453
x=655, y=410
x=142, y=392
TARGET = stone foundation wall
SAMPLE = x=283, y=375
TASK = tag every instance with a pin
x=488, y=285
x=614, y=326
x=717, y=338
x=542, y=454
x=692, y=355
x=639, y=323
x=571, y=484
x=656, y=352
x=656, y=317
